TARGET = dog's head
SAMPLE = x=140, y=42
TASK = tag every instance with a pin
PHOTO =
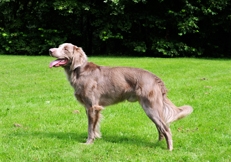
x=68, y=55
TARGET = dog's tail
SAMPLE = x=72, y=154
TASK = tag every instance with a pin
x=173, y=113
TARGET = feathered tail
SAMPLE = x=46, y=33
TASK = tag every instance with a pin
x=173, y=113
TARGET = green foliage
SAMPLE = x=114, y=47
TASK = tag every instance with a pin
x=139, y=27
x=175, y=49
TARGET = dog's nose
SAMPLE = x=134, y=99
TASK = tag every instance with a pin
x=51, y=51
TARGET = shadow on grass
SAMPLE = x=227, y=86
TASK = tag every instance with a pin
x=75, y=136
x=109, y=138
x=134, y=140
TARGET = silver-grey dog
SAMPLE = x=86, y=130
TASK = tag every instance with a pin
x=99, y=86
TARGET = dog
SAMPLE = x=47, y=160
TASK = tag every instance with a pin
x=98, y=86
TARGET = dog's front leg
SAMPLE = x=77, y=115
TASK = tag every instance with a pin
x=91, y=118
x=96, y=123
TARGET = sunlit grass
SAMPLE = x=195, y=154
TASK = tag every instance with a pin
x=39, y=121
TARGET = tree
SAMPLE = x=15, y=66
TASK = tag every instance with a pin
x=139, y=27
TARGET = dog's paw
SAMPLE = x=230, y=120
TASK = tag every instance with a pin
x=89, y=141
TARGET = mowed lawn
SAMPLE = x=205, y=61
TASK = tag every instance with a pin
x=40, y=119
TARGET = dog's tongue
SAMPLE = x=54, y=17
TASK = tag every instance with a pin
x=58, y=63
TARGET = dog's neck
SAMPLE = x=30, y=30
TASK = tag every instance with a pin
x=73, y=75
x=68, y=69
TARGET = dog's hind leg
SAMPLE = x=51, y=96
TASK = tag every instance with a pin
x=161, y=136
x=154, y=112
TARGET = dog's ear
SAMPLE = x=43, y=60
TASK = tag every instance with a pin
x=79, y=57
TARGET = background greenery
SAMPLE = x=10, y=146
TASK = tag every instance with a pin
x=163, y=28
x=40, y=119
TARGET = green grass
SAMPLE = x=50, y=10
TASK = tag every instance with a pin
x=37, y=122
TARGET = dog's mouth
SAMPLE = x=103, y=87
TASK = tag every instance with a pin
x=58, y=62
